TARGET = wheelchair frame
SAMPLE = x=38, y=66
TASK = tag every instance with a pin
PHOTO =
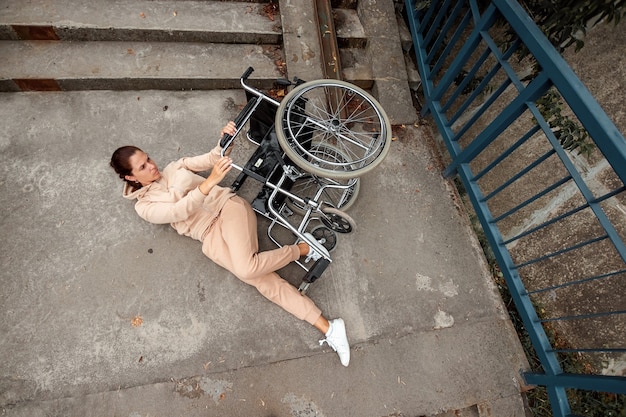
x=274, y=169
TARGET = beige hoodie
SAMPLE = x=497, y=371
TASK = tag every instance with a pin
x=176, y=199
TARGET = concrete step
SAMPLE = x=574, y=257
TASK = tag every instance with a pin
x=57, y=65
x=350, y=32
x=356, y=67
x=178, y=45
x=140, y=20
x=169, y=44
x=385, y=49
x=355, y=64
x=303, y=49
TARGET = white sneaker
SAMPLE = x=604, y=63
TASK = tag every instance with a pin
x=338, y=340
x=317, y=251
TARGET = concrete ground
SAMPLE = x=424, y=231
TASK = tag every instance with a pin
x=105, y=314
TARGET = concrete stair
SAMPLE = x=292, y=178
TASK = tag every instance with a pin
x=98, y=65
x=140, y=20
x=63, y=45
x=128, y=44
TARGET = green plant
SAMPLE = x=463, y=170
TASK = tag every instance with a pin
x=570, y=134
x=421, y=5
x=565, y=22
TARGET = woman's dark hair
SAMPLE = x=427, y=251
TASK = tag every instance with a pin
x=120, y=162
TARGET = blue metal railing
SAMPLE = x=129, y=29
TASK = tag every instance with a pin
x=555, y=220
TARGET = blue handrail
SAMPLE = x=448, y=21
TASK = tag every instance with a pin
x=513, y=166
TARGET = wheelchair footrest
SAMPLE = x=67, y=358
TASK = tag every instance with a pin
x=313, y=274
x=316, y=270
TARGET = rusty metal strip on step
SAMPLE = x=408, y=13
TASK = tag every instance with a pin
x=328, y=40
x=331, y=65
x=39, y=84
x=35, y=33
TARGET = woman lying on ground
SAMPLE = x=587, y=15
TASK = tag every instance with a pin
x=225, y=224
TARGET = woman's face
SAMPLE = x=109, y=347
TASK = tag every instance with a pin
x=144, y=170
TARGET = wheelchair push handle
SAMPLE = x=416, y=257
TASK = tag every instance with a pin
x=246, y=74
x=245, y=114
x=242, y=116
x=258, y=96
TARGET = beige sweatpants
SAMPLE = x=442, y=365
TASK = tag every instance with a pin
x=232, y=242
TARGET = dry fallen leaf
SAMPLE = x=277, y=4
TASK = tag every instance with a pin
x=270, y=9
x=277, y=93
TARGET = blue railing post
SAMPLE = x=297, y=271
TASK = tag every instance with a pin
x=595, y=120
x=531, y=93
x=454, y=46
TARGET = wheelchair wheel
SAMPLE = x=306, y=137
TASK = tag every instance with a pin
x=337, y=220
x=340, y=194
x=326, y=236
x=336, y=113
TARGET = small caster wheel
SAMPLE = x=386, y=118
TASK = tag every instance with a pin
x=337, y=220
x=326, y=236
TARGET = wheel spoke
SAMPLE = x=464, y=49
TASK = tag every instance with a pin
x=339, y=194
x=337, y=114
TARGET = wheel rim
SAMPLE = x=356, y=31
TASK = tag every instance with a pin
x=326, y=235
x=337, y=220
x=338, y=114
x=337, y=223
x=339, y=194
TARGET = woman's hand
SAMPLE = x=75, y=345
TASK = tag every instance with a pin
x=219, y=171
x=229, y=129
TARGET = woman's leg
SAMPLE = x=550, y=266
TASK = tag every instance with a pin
x=238, y=226
x=233, y=244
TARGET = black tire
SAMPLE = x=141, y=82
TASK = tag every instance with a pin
x=336, y=113
x=340, y=194
x=337, y=220
x=327, y=237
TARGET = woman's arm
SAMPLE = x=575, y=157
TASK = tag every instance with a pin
x=171, y=212
x=207, y=161
x=219, y=171
x=164, y=212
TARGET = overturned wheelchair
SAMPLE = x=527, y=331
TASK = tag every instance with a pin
x=311, y=149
